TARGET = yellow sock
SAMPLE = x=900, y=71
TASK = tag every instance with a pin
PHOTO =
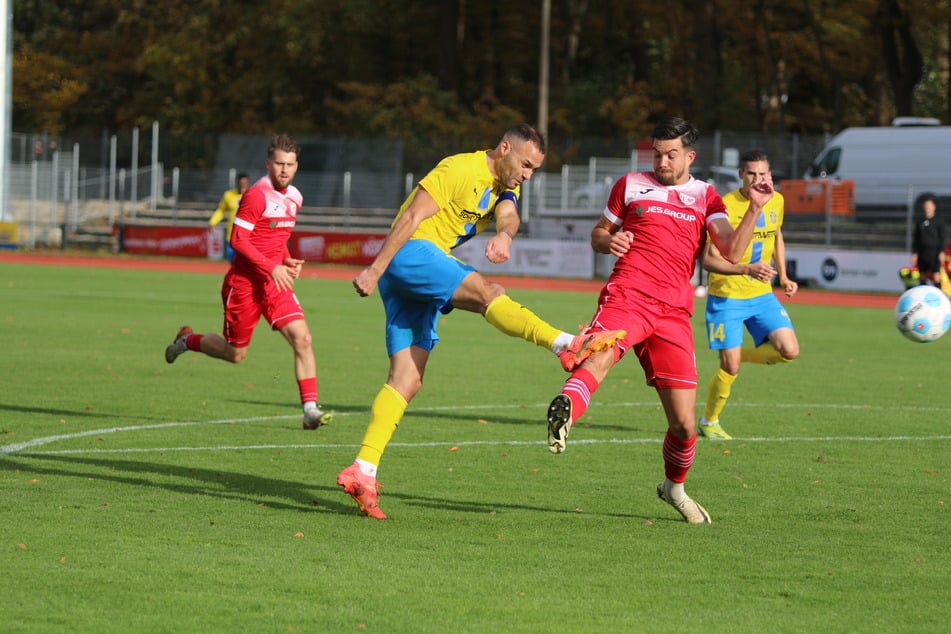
x=517, y=321
x=764, y=353
x=717, y=394
x=385, y=415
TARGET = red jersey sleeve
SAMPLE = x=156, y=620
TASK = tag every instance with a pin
x=252, y=205
x=715, y=205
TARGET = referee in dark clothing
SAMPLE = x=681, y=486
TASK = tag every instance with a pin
x=927, y=247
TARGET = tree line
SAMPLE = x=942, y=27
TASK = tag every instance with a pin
x=453, y=73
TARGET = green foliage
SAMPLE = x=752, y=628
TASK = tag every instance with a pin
x=314, y=66
x=932, y=91
x=418, y=107
x=159, y=498
x=47, y=95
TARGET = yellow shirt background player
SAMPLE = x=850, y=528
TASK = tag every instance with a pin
x=740, y=296
x=228, y=208
x=761, y=247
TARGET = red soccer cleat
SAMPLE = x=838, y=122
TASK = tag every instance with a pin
x=363, y=489
x=583, y=345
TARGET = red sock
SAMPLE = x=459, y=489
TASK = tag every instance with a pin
x=193, y=342
x=578, y=388
x=308, y=390
x=678, y=456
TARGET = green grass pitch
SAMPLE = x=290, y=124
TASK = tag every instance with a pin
x=141, y=497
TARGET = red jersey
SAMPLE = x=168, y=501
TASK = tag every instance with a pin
x=262, y=227
x=669, y=225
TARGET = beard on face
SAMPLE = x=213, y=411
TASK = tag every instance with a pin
x=666, y=177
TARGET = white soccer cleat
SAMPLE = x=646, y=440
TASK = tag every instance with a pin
x=687, y=507
x=316, y=417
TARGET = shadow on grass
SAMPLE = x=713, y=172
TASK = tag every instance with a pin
x=350, y=409
x=60, y=412
x=536, y=416
x=485, y=508
x=241, y=487
x=216, y=483
x=539, y=420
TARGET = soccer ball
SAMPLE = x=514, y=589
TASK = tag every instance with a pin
x=923, y=313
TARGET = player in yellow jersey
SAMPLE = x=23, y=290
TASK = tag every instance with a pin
x=228, y=209
x=419, y=279
x=741, y=295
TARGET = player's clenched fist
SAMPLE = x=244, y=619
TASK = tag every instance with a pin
x=621, y=243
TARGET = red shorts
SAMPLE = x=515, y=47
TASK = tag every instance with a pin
x=661, y=335
x=246, y=301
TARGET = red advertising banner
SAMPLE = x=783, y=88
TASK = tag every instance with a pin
x=335, y=248
x=198, y=242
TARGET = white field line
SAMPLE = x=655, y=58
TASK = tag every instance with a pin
x=23, y=447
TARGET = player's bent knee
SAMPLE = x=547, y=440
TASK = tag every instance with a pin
x=406, y=387
x=493, y=290
x=476, y=293
x=302, y=342
x=789, y=353
x=731, y=368
x=684, y=430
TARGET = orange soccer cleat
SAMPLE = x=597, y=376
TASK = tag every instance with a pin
x=363, y=489
x=583, y=345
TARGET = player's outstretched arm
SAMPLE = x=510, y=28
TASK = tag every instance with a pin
x=422, y=206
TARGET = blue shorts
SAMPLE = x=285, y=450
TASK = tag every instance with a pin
x=726, y=318
x=417, y=286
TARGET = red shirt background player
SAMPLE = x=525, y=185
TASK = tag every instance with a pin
x=260, y=282
x=264, y=222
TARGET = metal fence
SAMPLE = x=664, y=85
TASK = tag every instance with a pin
x=54, y=193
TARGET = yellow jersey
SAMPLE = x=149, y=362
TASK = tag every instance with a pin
x=227, y=205
x=466, y=193
x=760, y=249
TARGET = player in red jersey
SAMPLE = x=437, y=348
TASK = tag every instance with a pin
x=261, y=279
x=656, y=224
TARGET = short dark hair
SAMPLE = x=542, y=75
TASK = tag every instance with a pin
x=241, y=175
x=284, y=143
x=753, y=156
x=670, y=128
x=525, y=132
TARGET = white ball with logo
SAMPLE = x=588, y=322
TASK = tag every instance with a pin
x=923, y=313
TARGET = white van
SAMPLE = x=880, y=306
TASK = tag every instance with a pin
x=891, y=167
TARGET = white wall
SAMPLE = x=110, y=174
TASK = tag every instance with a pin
x=848, y=270
x=835, y=269
x=544, y=258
